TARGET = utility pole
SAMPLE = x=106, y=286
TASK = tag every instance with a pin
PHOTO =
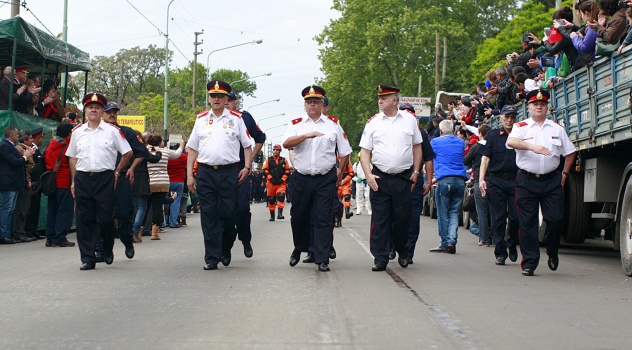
x=195, y=55
x=119, y=96
x=445, y=58
x=437, y=57
x=15, y=8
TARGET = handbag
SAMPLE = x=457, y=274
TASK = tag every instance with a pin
x=48, y=180
x=604, y=48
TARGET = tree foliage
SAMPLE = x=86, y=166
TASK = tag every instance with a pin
x=142, y=86
x=393, y=42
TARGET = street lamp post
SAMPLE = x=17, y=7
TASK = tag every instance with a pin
x=272, y=116
x=262, y=103
x=208, y=70
x=166, y=105
x=256, y=76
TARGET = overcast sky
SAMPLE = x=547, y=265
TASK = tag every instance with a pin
x=287, y=29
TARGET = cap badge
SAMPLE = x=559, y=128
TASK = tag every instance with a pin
x=539, y=96
x=311, y=91
x=95, y=98
x=216, y=85
x=379, y=89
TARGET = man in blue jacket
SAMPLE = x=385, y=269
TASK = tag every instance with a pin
x=450, y=175
x=12, y=179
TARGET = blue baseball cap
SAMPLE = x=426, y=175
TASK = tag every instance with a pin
x=111, y=105
x=509, y=109
x=232, y=96
x=325, y=101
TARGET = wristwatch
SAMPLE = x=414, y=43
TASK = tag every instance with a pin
x=565, y=173
x=416, y=172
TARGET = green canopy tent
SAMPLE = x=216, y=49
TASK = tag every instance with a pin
x=22, y=44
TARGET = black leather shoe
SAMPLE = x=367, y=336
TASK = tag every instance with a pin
x=391, y=254
x=48, y=243
x=87, y=266
x=500, y=261
x=309, y=258
x=129, y=253
x=378, y=267
x=527, y=272
x=324, y=267
x=6, y=241
x=99, y=258
x=210, y=267
x=109, y=259
x=553, y=263
x=332, y=253
x=410, y=261
x=248, y=251
x=226, y=259
x=451, y=248
x=294, y=258
x=403, y=262
x=513, y=254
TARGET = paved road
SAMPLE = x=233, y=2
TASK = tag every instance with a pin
x=163, y=299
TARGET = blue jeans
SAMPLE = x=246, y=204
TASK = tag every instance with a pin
x=449, y=196
x=174, y=209
x=140, y=202
x=7, y=206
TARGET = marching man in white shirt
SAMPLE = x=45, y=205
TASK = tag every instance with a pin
x=314, y=139
x=539, y=145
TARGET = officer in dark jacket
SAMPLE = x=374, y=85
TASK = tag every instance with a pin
x=124, y=211
x=12, y=179
x=34, y=211
x=242, y=218
x=22, y=97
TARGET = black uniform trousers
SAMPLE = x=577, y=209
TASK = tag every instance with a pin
x=502, y=206
x=124, y=214
x=392, y=211
x=241, y=224
x=94, y=197
x=32, y=222
x=533, y=193
x=218, y=192
x=312, y=205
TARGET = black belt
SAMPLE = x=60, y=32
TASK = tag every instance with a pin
x=506, y=176
x=401, y=175
x=94, y=173
x=310, y=175
x=538, y=176
x=453, y=177
x=218, y=167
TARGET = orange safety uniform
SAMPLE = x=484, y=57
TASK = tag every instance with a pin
x=277, y=171
x=344, y=190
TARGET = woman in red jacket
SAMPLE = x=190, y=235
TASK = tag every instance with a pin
x=61, y=204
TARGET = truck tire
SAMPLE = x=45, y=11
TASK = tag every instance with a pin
x=576, y=212
x=625, y=230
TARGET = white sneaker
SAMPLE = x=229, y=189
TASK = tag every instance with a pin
x=358, y=212
x=370, y=212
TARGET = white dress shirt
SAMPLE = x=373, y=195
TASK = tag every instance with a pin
x=218, y=139
x=550, y=135
x=391, y=141
x=316, y=156
x=96, y=150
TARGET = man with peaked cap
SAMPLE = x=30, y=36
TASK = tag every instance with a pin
x=124, y=210
x=277, y=171
x=314, y=139
x=497, y=180
x=539, y=145
x=241, y=227
x=93, y=150
x=39, y=168
x=392, y=142
x=22, y=96
x=215, y=143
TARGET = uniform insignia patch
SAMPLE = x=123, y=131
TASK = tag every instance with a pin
x=296, y=121
x=333, y=119
x=201, y=114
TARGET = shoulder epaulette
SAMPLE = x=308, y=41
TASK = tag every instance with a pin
x=235, y=113
x=78, y=126
x=375, y=115
x=201, y=114
x=296, y=121
x=522, y=123
x=333, y=119
x=119, y=130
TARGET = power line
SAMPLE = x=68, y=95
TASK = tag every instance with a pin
x=150, y=22
x=32, y=13
x=174, y=45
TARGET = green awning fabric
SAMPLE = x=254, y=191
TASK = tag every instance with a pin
x=37, y=49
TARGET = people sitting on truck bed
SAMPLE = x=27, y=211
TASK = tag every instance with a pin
x=585, y=38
